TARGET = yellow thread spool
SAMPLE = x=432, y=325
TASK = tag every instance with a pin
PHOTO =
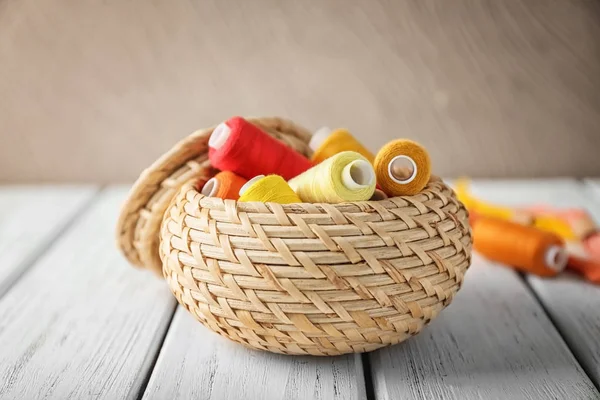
x=326, y=143
x=346, y=176
x=268, y=189
x=403, y=168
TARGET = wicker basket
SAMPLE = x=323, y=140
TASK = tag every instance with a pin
x=318, y=279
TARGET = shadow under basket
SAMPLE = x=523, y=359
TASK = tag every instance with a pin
x=320, y=279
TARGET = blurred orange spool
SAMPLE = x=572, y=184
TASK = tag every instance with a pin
x=225, y=185
x=522, y=247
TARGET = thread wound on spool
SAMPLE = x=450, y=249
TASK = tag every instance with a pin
x=346, y=176
x=248, y=151
x=225, y=185
x=326, y=143
x=269, y=189
x=525, y=248
x=393, y=177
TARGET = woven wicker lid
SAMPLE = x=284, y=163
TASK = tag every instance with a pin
x=138, y=226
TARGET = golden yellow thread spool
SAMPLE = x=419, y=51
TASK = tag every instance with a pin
x=268, y=189
x=403, y=167
x=326, y=143
x=346, y=176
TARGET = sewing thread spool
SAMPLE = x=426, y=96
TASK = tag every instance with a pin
x=237, y=145
x=225, y=185
x=268, y=189
x=326, y=143
x=582, y=262
x=346, y=176
x=403, y=168
x=522, y=247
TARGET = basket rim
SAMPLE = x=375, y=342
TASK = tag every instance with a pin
x=156, y=179
x=216, y=203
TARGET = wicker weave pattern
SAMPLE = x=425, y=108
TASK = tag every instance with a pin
x=139, y=222
x=316, y=279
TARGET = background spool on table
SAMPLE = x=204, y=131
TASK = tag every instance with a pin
x=403, y=168
x=243, y=148
x=346, y=176
x=525, y=248
x=268, y=189
x=582, y=262
x=326, y=143
x=225, y=185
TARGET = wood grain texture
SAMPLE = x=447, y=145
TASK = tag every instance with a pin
x=98, y=90
x=196, y=363
x=82, y=323
x=30, y=219
x=574, y=305
x=493, y=342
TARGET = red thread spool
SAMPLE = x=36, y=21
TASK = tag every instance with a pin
x=225, y=185
x=587, y=267
x=237, y=145
x=582, y=262
x=525, y=248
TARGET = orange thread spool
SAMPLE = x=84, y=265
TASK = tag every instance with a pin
x=522, y=247
x=225, y=185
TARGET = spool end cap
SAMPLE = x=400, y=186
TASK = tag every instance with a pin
x=219, y=136
x=251, y=182
x=358, y=174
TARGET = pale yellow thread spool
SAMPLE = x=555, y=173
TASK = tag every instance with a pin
x=346, y=176
x=403, y=168
x=268, y=189
x=326, y=143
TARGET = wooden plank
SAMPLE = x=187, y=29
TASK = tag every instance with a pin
x=495, y=341
x=30, y=219
x=573, y=305
x=594, y=185
x=196, y=363
x=82, y=323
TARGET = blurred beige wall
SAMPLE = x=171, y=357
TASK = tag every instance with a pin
x=96, y=90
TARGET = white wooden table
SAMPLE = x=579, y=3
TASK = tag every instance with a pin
x=77, y=322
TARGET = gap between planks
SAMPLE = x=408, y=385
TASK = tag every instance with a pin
x=82, y=323
x=572, y=304
x=495, y=341
x=195, y=362
x=31, y=220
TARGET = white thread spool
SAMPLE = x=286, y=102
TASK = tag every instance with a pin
x=319, y=137
x=398, y=166
x=251, y=182
x=219, y=136
x=358, y=175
